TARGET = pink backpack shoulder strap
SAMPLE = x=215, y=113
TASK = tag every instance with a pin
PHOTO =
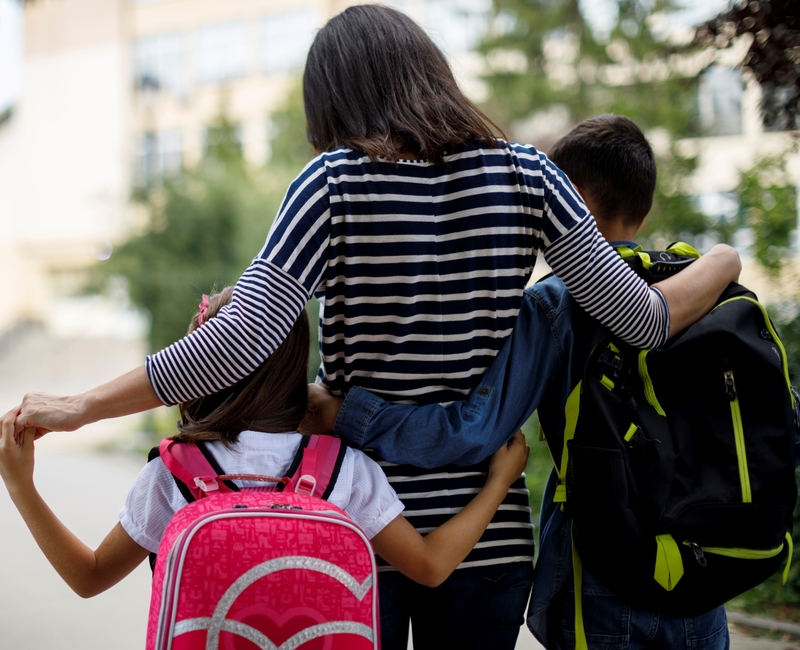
x=187, y=462
x=316, y=466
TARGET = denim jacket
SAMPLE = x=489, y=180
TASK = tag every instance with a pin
x=529, y=368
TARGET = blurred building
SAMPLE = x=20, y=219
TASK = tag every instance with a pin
x=99, y=96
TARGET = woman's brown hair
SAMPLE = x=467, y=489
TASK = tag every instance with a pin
x=375, y=82
x=274, y=398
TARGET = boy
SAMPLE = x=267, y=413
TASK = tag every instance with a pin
x=611, y=164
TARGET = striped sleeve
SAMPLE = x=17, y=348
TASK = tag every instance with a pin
x=604, y=285
x=607, y=288
x=266, y=301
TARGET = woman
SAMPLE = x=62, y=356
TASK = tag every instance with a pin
x=418, y=230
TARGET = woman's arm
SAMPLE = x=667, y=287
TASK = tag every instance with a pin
x=266, y=302
x=429, y=560
x=607, y=288
x=130, y=393
x=87, y=572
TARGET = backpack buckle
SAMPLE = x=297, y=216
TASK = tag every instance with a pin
x=612, y=360
x=306, y=485
x=206, y=483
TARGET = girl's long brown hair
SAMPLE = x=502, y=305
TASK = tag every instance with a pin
x=375, y=82
x=274, y=398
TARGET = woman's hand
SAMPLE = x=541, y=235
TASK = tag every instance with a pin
x=508, y=462
x=16, y=459
x=45, y=413
x=127, y=394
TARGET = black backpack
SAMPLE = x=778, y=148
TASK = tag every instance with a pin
x=678, y=470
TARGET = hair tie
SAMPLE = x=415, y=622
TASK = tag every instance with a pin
x=203, y=309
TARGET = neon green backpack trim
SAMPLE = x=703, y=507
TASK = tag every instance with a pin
x=626, y=251
x=738, y=436
x=753, y=554
x=631, y=432
x=669, y=565
x=682, y=248
x=649, y=389
x=785, y=574
x=571, y=410
x=775, y=337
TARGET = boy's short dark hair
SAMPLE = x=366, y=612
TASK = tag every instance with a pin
x=609, y=157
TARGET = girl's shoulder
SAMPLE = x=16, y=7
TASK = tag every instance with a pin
x=369, y=499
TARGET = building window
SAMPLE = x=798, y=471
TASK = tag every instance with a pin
x=222, y=52
x=286, y=38
x=776, y=107
x=159, y=155
x=158, y=62
x=720, y=101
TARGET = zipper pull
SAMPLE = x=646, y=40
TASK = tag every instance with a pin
x=730, y=386
x=699, y=556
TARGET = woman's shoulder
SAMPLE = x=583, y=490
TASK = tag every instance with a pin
x=513, y=153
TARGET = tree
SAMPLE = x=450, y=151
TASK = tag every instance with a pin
x=773, y=57
x=205, y=225
x=199, y=233
x=546, y=56
x=768, y=207
x=548, y=60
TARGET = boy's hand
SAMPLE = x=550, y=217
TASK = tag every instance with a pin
x=16, y=460
x=508, y=462
x=323, y=409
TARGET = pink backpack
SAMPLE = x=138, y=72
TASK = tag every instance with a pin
x=276, y=568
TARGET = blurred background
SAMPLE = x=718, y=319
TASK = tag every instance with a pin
x=145, y=146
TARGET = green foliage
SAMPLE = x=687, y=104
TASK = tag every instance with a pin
x=204, y=225
x=543, y=54
x=290, y=148
x=674, y=214
x=539, y=465
x=567, y=62
x=768, y=203
x=201, y=225
x=772, y=58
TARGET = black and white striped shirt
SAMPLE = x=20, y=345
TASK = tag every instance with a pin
x=420, y=270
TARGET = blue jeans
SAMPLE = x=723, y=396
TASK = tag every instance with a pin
x=614, y=624
x=474, y=609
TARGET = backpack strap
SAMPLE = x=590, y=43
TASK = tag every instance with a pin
x=316, y=466
x=194, y=469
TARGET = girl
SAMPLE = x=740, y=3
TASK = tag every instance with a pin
x=251, y=428
x=417, y=228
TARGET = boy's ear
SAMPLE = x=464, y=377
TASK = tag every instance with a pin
x=641, y=223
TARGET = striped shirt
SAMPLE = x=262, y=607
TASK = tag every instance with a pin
x=420, y=270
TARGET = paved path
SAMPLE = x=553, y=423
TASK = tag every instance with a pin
x=37, y=610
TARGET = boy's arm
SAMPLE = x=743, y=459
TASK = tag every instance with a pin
x=464, y=433
x=86, y=571
x=429, y=560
